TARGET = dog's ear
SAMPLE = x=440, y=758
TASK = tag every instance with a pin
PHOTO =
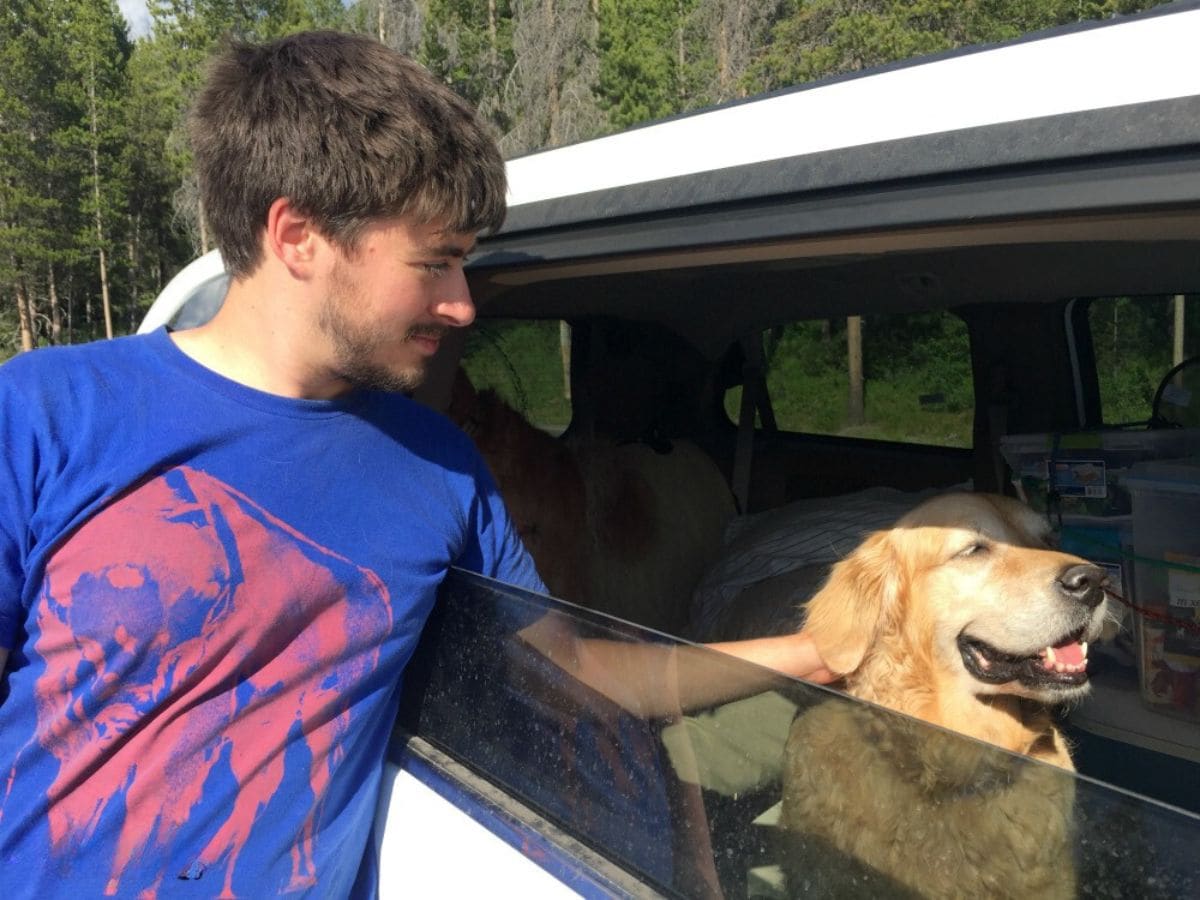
x=860, y=596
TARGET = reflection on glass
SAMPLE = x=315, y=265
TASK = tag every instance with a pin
x=709, y=777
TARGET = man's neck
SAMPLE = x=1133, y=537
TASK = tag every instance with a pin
x=258, y=339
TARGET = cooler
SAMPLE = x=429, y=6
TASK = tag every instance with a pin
x=1166, y=544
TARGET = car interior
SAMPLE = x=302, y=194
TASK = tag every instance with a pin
x=682, y=345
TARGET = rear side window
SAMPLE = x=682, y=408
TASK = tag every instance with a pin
x=904, y=378
x=695, y=800
x=526, y=362
x=1137, y=341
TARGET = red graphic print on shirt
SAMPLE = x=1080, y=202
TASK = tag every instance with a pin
x=189, y=637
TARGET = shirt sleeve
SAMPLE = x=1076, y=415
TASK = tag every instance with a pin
x=493, y=547
x=17, y=467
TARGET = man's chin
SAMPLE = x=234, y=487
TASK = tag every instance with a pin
x=380, y=378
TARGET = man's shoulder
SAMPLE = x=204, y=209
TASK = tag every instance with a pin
x=75, y=383
x=64, y=361
x=418, y=425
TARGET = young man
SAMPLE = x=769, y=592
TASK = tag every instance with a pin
x=218, y=546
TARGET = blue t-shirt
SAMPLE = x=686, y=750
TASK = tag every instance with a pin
x=210, y=594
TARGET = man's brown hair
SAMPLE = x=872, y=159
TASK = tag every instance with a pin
x=347, y=129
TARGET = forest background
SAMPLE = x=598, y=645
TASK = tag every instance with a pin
x=98, y=200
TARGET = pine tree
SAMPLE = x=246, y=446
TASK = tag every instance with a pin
x=469, y=44
x=642, y=59
x=93, y=87
x=34, y=196
x=550, y=95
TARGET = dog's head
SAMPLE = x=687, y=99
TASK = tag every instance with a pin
x=964, y=592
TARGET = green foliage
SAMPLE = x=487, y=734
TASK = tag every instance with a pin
x=1132, y=341
x=469, y=43
x=829, y=37
x=92, y=156
x=929, y=351
x=640, y=73
x=522, y=361
x=917, y=374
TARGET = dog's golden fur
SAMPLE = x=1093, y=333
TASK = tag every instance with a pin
x=620, y=528
x=539, y=480
x=928, y=618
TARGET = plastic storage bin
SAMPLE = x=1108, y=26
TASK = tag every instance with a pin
x=1166, y=544
x=1085, y=469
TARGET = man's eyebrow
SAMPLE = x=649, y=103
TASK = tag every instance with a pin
x=455, y=250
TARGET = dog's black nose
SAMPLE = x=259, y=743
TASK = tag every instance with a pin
x=1084, y=583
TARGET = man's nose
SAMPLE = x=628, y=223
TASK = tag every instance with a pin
x=456, y=308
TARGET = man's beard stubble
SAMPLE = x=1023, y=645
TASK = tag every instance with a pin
x=355, y=346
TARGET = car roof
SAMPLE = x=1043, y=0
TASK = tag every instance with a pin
x=1094, y=85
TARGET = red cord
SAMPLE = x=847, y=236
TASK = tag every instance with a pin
x=1185, y=624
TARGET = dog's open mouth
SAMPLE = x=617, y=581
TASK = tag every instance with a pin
x=1062, y=664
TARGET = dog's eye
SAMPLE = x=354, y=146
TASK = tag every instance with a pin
x=978, y=548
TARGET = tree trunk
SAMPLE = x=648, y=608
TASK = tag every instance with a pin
x=723, y=70
x=56, y=319
x=24, y=316
x=203, y=226
x=680, y=55
x=552, y=108
x=856, y=414
x=134, y=248
x=564, y=349
x=104, y=298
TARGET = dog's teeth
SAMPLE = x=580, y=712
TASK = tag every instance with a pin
x=1084, y=647
x=1049, y=655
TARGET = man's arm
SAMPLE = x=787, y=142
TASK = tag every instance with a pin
x=791, y=654
x=655, y=680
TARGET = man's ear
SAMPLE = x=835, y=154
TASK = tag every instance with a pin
x=291, y=238
x=861, y=595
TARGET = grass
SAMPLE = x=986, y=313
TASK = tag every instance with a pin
x=522, y=361
x=817, y=404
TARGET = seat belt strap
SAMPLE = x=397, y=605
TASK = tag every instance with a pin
x=754, y=401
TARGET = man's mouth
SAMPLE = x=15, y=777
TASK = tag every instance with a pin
x=1062, y=664
x=429, y=338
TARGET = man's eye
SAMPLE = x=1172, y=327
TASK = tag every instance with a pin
x=435, y=268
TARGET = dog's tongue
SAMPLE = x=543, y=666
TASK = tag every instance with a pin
x=1068, y=652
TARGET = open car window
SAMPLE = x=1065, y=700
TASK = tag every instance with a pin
x=903, y=377
x=732, y=798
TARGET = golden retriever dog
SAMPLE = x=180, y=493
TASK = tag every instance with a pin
x=621, y=528
x=962, y=616
x=539, y=480
x=655, y=521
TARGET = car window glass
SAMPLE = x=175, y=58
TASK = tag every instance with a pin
x=1137, y=341
x=526, y=362
x=902, y=377
x=716, y=801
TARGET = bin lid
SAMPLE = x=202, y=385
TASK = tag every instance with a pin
x=1174, y=475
